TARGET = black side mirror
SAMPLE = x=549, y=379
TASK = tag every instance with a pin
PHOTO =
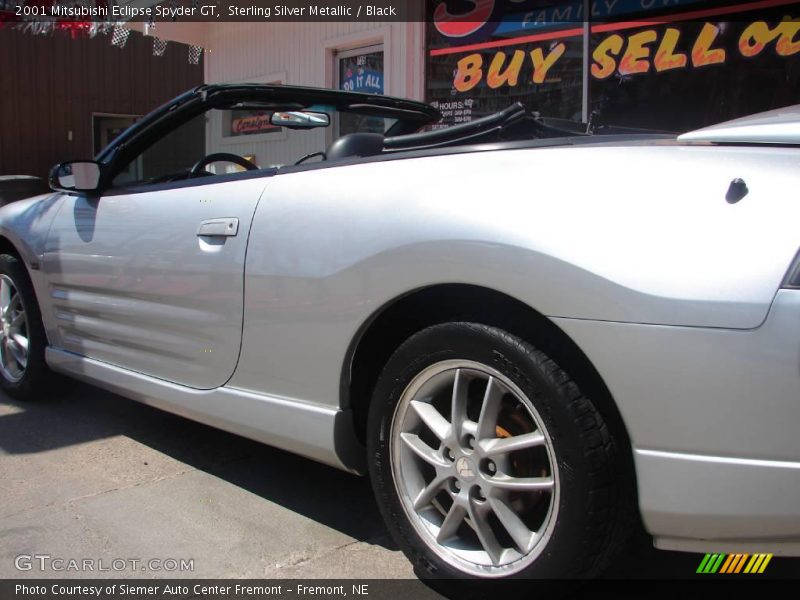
x=76, y=176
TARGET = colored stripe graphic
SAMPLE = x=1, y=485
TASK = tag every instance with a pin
x=765, y=563
x=703, y=563
x=710, y=563
x=734, y=563
x=717, y=563
x=727, y=564
x=740, y=564
x=753, y=564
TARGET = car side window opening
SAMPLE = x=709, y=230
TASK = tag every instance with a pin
x=244, y=136
x=170, y=158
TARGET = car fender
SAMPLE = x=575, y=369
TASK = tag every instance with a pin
x=25, y=225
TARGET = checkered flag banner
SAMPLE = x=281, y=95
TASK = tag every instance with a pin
x=194, y=54
x=120, y=36
x=37, y=27
x=159, y=46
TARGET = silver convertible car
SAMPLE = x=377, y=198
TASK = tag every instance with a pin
x=531, y=337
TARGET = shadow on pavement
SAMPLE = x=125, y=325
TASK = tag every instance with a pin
x=82, y=414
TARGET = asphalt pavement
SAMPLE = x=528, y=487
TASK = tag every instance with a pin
x=88, y=475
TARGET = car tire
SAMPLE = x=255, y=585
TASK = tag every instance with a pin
x=24, y=374
x=528, y=459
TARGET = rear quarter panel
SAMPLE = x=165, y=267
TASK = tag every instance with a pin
x=625, y=234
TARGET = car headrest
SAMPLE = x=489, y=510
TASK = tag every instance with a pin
x=355, y=145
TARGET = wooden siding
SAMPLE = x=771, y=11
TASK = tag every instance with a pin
x=51, y=85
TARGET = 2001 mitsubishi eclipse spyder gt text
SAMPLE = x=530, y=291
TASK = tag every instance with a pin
x=523, y=354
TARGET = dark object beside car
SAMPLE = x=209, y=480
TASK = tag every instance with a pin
x=17, y=187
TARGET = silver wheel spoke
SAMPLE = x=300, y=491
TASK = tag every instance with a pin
x=426, y=496
x=21, y=341
x=17, y=352
x=458, y=405
x=522, y=484
x=452, y=521
x=487, y=421
x=470, y=427
x=10, y=362
x=5, y=297
x=432, y=418
x=14, y=304
x=519, y=532
x=422, y=450
x=499, y=446
x=18, y=321
x=485, y=534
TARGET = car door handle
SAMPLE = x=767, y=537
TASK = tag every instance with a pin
x=218, y=227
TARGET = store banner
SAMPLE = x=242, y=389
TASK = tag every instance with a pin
x=361, y=79
x=251, y=122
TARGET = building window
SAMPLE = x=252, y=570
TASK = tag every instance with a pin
x=484, y=65
x=691, y=62
x=679, y=76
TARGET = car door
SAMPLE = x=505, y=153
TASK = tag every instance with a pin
x=150, y=275
x=153, y=280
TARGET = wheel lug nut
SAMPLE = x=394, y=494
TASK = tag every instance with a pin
x=477, y=494
x=469, y=442
x=488, y=466
x=455, y=486
x=449, y=454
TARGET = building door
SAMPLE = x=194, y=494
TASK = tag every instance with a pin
x=360, y=70
x=105, y=128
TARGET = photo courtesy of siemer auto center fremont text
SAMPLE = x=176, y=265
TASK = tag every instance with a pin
x=401, y=299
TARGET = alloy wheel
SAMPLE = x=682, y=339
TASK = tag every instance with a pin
x=13, y=332
x=474, y=467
